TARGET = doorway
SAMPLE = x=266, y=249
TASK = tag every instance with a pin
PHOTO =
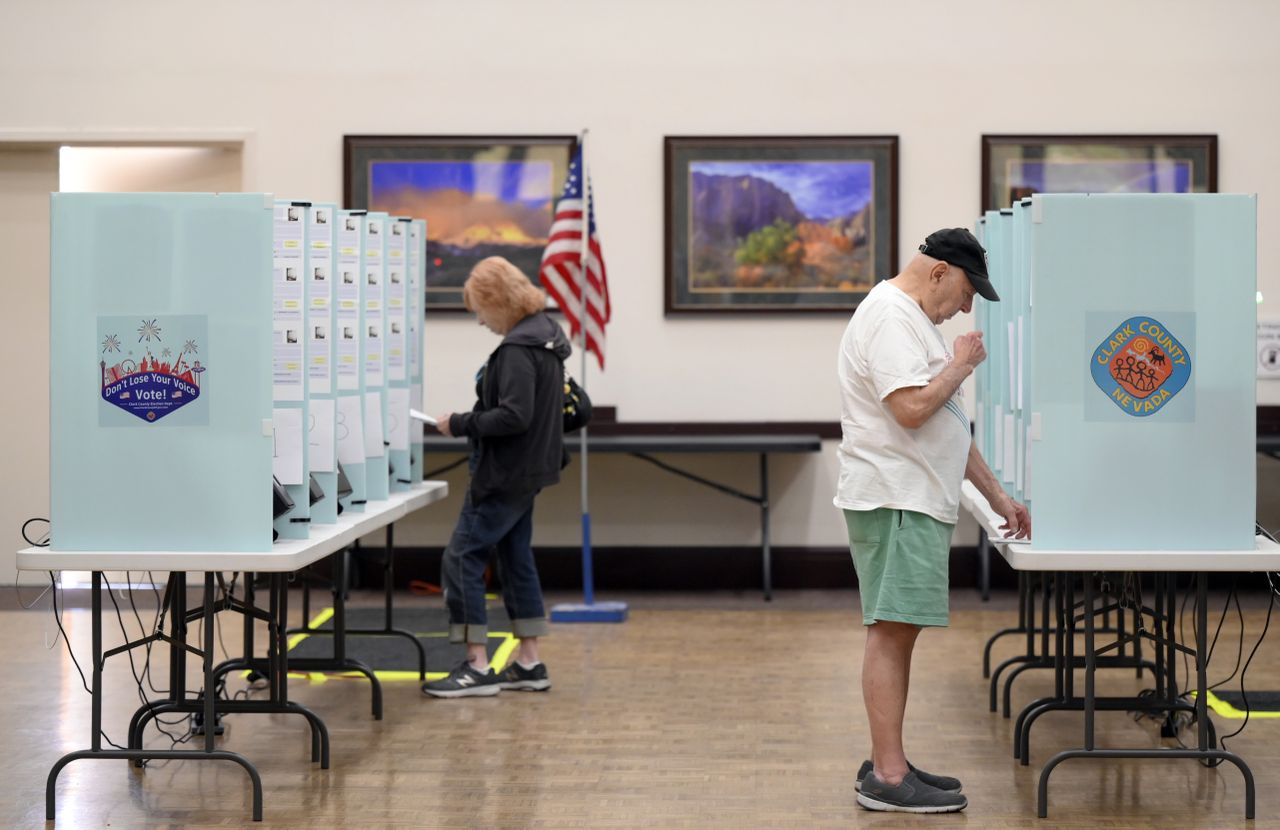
x=29, y=172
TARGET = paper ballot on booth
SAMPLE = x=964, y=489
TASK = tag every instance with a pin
x=350, y=428
x=397, y=424
x=321, y=436
x=286, y=460
x=373, y=438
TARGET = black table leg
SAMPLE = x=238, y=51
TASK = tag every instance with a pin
x=1204, y=750
x=339, y=661
x=95, y=744
x=1020, y=628
x=274, y=668
x=766, y=554
x=388, y=629
x=984, y=566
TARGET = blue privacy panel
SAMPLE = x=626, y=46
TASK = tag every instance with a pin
x=325, y=511
x=417, y=287
x=398, y=359
x=1027, y=375
x=981, y=380
x=1000, y=269
x=348, y=369
x=162, y=303
x=291, y=279
x=373, y=356
x=322, y=219
x=1155, y=449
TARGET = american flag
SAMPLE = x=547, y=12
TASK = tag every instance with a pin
x=561, y=261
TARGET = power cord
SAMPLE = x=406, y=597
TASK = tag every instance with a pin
x=1271, y=604
x=1240, y=642
x=143, y=680
x=63, y=632
x=39, y=542
x=44, y=540
x=156, y=625
x=1182, y=719
x=1272, y=593
x=137, y=678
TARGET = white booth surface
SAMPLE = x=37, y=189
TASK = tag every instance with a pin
x=285, y=555
x=1030, y=556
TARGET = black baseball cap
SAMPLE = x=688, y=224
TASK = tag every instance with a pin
x=960, y=248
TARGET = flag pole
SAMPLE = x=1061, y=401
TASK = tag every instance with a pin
x=588, y=571
x=589, y=610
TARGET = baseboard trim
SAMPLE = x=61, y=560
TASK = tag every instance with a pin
x=676, y=568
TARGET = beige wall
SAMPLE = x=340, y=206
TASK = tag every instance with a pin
x=26, y=177
x=297, y=76
x=149, y=169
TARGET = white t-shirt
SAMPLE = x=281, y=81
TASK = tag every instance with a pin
x=890, y=344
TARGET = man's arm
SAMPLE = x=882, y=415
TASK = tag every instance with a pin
x=1017, y=521
x=911, y=406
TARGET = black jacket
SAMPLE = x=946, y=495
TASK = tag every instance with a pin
x=516, y=429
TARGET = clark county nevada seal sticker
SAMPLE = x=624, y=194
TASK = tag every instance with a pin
x=150, y=367
x=1141, y=366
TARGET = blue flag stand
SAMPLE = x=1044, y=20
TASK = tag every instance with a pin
x=588, y=610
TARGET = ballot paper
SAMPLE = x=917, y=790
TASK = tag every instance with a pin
x=286, y=462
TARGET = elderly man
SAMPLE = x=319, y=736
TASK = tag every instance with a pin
x=906, y=448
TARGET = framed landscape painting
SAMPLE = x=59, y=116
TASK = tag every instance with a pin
x=778, y=224
x=481, y=196
x=1016, y=166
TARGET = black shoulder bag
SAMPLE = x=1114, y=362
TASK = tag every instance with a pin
x=577, y=406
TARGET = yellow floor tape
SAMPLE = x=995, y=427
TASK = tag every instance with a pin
x=500, y=656
x=1224, y=709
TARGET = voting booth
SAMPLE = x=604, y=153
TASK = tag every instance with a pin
x=373, y=354
x=397, y=352
x=161, y=367
x=348, y=322
x=290, y=417
x=321, y=367
x=236, y=338
x=417, y=258
x=1118, y=397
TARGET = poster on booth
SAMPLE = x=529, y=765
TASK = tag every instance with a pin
x=1141, y=366
x=152, y=370
x=1269, y=349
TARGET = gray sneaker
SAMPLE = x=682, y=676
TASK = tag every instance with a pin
x=464, y=681
x=943, y=782
x=517, y=677
x=911, y=796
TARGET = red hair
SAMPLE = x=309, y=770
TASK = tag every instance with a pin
x=501, y=288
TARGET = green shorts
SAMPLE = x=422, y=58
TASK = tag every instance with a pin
x=902, y=561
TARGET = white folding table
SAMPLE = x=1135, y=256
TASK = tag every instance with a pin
x=284, y=557
x=1024, y=556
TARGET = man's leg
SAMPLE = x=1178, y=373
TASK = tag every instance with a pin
x=886, y=674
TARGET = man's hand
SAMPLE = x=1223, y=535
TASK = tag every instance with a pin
x=969, y=350
x=1017, y=521
x=442, y=424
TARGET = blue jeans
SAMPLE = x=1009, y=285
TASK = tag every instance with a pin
x=505, y=524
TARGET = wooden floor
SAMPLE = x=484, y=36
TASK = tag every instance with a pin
x=700, y=711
